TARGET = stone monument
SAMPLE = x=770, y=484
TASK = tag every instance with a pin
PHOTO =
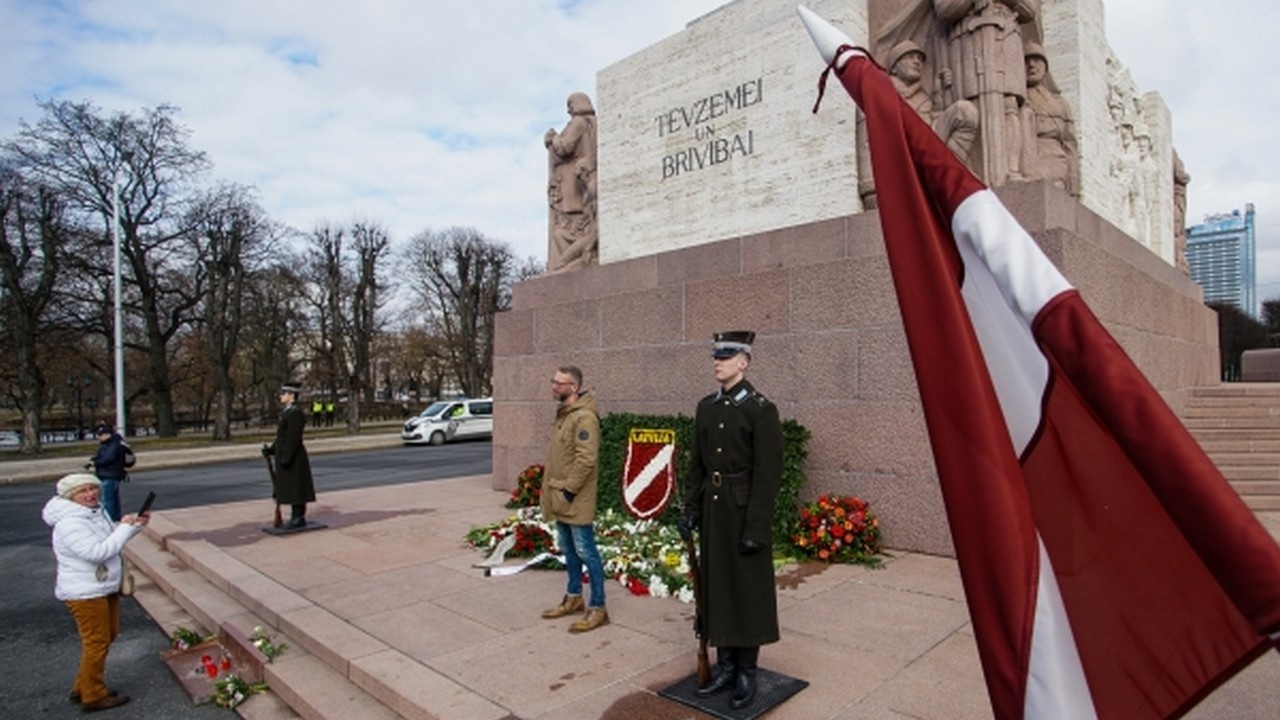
x=725, y=201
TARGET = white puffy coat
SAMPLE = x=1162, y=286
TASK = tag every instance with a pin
x=87, y=545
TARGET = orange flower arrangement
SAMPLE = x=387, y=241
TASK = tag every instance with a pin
x=838, y=529
x=528, y=487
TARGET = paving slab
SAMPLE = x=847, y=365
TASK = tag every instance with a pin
x=387, y=617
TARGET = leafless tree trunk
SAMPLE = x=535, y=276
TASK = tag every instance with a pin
x=32, y=243
x=465, y=280
x=233, y=235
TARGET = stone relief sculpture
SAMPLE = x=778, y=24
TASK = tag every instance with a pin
x=982, y=62
x=974, y=97
x=1181, y=179
x=1050, y=149
x=571, y=188
x=1149, y=173
x=978, y=73
x=957, y=124
x=1124, y=168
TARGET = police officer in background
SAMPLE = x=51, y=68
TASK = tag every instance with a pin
x=731, y=487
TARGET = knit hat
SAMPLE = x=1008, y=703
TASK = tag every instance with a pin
x=68, y=484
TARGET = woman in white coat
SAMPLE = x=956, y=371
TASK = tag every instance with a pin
x=87, y=545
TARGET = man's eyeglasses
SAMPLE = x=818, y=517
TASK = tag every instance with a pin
x=560, y=383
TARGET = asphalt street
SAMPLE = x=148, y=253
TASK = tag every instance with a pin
x=39, y=647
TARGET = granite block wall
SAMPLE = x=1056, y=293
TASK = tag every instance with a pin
x=830, y=348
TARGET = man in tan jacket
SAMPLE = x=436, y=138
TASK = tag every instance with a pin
x=569, y=497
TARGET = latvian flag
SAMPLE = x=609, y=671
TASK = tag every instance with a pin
x=1110, y=570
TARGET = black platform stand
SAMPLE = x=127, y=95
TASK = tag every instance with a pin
x=773, y=689
x=283, y=530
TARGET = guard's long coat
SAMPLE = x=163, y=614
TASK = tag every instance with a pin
x=736, y=431
x=293, y=468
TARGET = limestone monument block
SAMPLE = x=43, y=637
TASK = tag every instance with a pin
x=707, y=135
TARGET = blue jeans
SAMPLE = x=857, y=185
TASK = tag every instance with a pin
x=111, y=498
x=578, y=542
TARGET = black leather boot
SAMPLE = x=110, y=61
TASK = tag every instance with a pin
x=299, y=517
x=724, y=675
x=744, y=690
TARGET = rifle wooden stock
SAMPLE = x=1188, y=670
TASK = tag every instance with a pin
x=276, y=521
x=704, y=665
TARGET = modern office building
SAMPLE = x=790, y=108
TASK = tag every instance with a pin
x=1222, y=256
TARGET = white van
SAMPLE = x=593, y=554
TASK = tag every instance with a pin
x=450, y=420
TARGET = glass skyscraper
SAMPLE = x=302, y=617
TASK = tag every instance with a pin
x=1221, y=253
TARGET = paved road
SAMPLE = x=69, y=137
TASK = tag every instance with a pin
x=39, y=648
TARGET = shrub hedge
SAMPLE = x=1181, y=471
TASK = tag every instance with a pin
x=616, y=428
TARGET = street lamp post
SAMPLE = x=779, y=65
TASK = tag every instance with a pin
x=115, y=236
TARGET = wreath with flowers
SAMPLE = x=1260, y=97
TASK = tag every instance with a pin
x=644, y=556
x=838, y=529
x=528, y=490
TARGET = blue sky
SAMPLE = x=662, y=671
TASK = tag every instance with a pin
x=426, y=114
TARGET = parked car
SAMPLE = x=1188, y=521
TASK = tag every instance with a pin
x=450, y=420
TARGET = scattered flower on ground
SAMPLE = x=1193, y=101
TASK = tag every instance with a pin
x=184, y=638
x=231, y=690
x=261, y=641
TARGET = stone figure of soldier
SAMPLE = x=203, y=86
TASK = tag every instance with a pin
x=1051, y=150
x=983, y=63
x=956, y=124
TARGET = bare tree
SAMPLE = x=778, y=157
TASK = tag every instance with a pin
x=82, y=155
x=275, y=316
x=327, y=283
x=33, y=241
x=464, y=279
x=371, y=244
x=233, y=236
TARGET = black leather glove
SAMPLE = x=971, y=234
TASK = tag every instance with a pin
x=686, y=524
x=749, y=547
x=568, y=495
x=267, y=450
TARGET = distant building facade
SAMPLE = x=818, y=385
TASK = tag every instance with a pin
x=1222, y=254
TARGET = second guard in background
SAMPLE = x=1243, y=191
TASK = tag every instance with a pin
x=294, y=486
x=731, y=488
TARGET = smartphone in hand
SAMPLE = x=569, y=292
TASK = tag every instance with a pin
x=146, y=504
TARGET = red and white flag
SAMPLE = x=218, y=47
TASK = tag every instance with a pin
x=1110, y=570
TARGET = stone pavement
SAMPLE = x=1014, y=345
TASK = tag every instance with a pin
x=385, y=617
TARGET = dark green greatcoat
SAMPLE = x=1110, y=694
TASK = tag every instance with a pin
x=293, y=468
x=736, y=433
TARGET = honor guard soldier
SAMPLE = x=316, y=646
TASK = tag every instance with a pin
x=731, y=487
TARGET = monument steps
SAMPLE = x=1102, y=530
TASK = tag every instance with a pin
x=1238, y=425
x=330, y=670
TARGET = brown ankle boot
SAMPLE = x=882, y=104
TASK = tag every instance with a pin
x=570, y=605
x=594, y=618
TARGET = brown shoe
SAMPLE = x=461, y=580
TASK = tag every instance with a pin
x=570, y=605
x=594, y=618
x=105, y=703
x=74, y=697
